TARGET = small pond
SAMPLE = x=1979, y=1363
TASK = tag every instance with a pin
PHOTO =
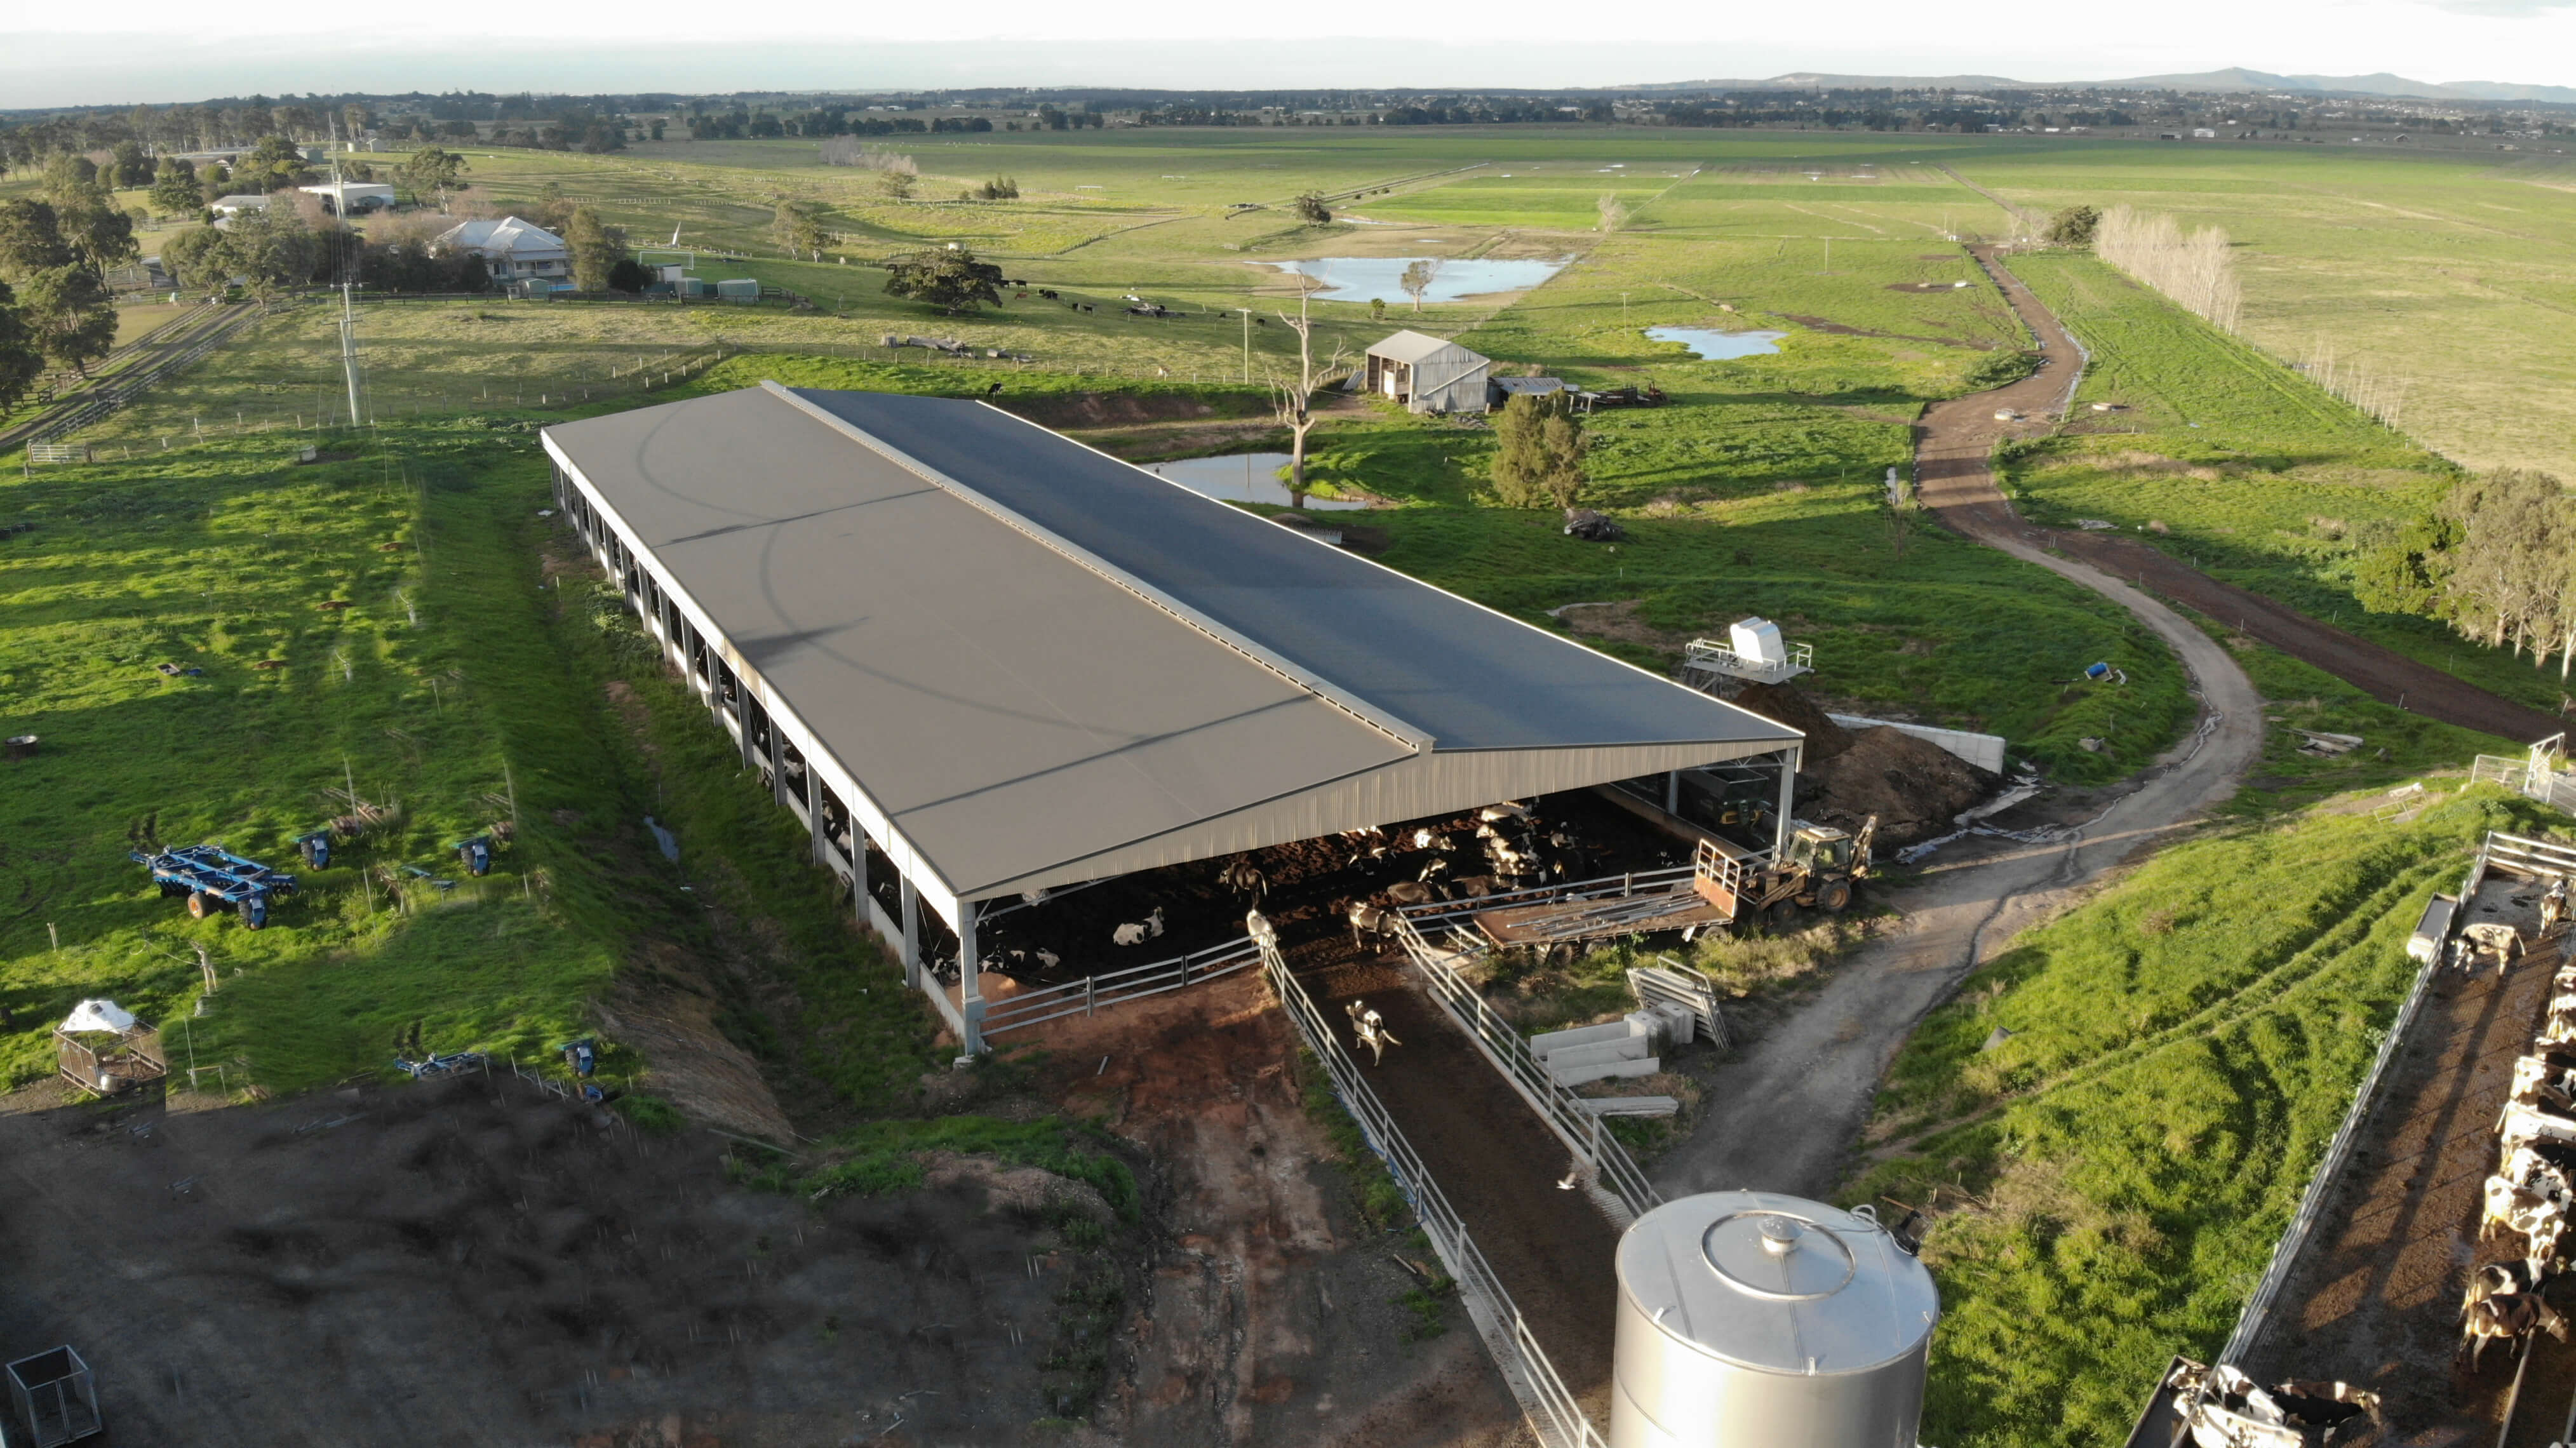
x=1709, y=342
x=1245, y=478
x=1358, y=278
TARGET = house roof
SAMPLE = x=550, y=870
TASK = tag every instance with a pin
x=1412, y=346
x=240, y=201
x=508, y=235
x=1041, y=665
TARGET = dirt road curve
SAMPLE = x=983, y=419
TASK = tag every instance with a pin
x=1952, y=443
x=1786, y=1113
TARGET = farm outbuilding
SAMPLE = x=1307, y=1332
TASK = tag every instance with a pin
x=1004, y=663
x=1427, y=374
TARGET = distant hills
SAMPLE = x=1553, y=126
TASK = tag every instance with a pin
x=2234, y=79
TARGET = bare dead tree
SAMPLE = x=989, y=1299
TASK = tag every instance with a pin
x=1294, y=403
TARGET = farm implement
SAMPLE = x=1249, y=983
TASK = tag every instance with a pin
x=215, y=879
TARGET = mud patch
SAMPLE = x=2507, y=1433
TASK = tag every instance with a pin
x=1620, y=623
x=1102, y=409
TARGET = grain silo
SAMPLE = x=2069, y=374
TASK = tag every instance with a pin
x=1754, y=1320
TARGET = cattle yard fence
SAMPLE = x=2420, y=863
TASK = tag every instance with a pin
x=1582, y=1131
x=1084, y=996
x=1554, y=1415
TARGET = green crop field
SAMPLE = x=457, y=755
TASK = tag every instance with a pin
x=2182, y=1049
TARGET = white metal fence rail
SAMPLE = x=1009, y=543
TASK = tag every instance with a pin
x=2285, y=1254
x=1082, y=997
x=1582, y=1131
x=1604, y=887
x=1554, y=1415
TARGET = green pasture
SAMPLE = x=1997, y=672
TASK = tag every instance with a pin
x=2236, y=465
x=2445, y=275
x=2181, y=1050
x=379, y=621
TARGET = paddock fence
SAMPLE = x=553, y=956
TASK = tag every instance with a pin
x=1554, y=1415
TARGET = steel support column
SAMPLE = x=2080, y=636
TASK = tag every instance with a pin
x=1673, y=793
x=911, y=952
x=1788, y=785
x=970, y=980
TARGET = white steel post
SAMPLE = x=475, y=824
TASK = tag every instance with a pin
x=1788, y=784
x=970, y=980
x=911, y=927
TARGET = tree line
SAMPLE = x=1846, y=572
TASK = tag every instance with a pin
x=2496, y=561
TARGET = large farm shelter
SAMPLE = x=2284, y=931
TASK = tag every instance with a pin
x=1010, y=663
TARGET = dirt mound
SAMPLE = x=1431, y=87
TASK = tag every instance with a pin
x=1914, y=787
x=1784, y=704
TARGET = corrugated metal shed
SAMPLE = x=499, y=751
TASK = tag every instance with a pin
x=1428, y=374
x=1034, y=664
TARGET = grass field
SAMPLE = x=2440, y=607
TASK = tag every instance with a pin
x=451, y=685
x=2237, y=465
x=2445, y=275
x=2181, y=1050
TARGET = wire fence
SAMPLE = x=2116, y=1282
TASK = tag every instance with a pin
x=1582, y=1130
x=1554, y=1415
x=1084, y=996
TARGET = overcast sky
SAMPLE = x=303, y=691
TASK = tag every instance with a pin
x=163, y=50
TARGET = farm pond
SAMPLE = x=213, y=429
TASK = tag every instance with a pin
x=1705, y=342
x=1356, y=278
x=1242, y=478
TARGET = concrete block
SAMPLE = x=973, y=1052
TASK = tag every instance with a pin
x=1626, y=1048
x=1605, y=1070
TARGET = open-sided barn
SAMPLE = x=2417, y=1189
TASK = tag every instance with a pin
x=1010, y=662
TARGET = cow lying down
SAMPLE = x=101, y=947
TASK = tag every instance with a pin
x=2223, y=1408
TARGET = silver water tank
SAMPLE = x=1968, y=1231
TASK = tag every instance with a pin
x=1754, y=1320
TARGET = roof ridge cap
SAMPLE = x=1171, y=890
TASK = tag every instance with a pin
x=1376, y=717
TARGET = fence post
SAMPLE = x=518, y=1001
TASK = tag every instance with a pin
x=1090, y=1000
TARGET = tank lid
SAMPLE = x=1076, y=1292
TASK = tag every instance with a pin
x=1777, y=1283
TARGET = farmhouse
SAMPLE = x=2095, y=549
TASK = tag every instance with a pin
x=512, y=249
x=996, y=662
x=1427, y=374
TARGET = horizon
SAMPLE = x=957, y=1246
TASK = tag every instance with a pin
x=157, y=53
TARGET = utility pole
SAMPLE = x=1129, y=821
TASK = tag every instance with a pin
x=1247, y=343
x=348, y=307
x=1623, y=309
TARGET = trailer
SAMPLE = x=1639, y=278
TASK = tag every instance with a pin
x=213, y=878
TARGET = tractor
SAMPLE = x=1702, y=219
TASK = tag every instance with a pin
x=1819, y=869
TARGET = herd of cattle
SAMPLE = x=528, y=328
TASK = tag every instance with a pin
x=2530, y=1193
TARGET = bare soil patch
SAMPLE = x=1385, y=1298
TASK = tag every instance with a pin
x=478, y=1262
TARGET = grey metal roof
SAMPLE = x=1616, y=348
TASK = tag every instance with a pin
x=1045, y=665
x=1412, y=346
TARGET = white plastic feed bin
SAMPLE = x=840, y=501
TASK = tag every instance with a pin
x=1758, y=639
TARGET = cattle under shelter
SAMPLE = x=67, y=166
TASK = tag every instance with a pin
x=1006, y=663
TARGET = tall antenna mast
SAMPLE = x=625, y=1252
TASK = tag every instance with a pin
x=348, y=308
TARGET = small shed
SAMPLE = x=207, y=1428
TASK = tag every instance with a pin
x=1427, y=374
x=739, y=289
x=238, y=203
x=101, y=1047
x=1501, y=390
x=351, y=198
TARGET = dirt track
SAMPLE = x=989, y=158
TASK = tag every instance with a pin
x=1951, y=445
x=1786, y=1112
